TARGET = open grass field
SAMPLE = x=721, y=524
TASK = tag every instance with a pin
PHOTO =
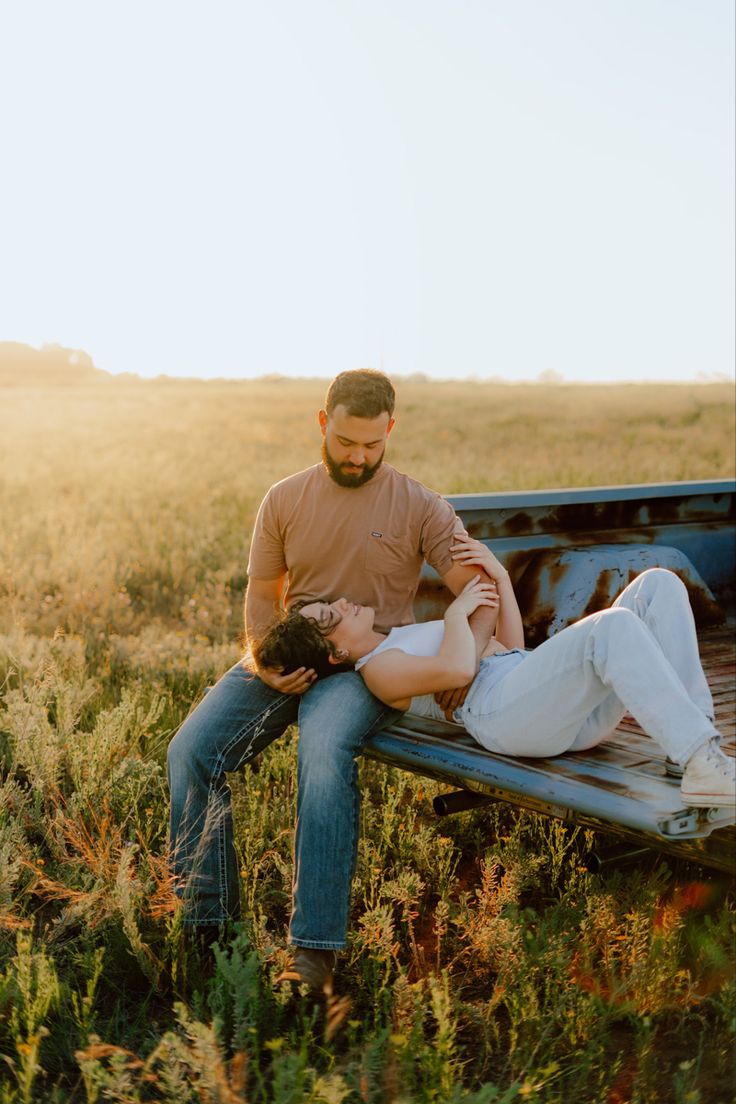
x=486, y=964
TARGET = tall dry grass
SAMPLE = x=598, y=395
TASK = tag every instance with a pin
x=485, y=964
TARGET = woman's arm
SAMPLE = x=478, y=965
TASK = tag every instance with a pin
x=509, y=627
x=396, y=677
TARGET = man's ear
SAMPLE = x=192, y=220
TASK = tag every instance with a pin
x=323, y=421
x=390, y=426
x=338, y=657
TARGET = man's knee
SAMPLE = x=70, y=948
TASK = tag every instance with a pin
x=337, y=716
x=196, y=742
x=185, y=748
x=327, y=738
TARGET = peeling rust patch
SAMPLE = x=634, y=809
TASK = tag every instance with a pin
x=519, y=523
x=538, y=541
x=476, y=529
x=707, y=613
x=599, y=598
x=525, y=571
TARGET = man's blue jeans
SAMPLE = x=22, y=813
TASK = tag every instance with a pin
x=234, y=722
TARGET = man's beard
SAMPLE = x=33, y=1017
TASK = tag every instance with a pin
x=348, y=479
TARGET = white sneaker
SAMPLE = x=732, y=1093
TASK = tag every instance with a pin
x=709, y=779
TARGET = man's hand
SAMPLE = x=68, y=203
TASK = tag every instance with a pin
x=296, y=682
x=471, y=552
x=261, y=602
x=450, y=700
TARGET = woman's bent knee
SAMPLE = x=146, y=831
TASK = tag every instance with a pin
x=661, y=579
x=618, y=622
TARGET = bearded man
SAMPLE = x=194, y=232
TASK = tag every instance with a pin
x=349, y=525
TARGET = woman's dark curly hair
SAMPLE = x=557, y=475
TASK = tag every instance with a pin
x=295, y=641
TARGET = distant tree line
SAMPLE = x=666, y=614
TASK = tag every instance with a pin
x=23, y=364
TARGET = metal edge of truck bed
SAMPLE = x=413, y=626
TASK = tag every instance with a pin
x=589, y=788
x=565, y=787
x=561, y=496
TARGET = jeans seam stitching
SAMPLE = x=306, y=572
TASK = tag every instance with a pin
x=217, y=774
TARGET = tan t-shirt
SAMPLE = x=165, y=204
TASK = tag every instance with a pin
x=365, y=543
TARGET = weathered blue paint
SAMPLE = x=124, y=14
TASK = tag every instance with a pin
x=531, y=530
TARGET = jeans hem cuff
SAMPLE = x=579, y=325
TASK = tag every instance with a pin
x=696, y=745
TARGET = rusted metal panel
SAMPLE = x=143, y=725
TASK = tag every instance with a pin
x=555, y=588
x=540, y=536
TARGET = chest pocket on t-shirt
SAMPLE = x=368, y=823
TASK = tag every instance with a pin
x=386, y=554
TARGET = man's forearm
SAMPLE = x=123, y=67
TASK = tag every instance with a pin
x=509, y=627
x=483, y=621
x=482, y=624
x=259, y=613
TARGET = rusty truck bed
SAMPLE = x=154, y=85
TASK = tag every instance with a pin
x=621, y=787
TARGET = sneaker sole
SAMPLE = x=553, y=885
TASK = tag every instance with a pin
x=673, y=769
x=709, y=801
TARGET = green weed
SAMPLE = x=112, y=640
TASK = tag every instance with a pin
x=485, y=965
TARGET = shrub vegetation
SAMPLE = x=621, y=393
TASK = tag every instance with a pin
x=485, y=963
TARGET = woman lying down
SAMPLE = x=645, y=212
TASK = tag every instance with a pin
x=568, y=694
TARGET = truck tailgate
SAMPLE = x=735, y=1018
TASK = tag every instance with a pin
x=620, y=787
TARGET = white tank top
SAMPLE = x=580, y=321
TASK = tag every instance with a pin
x=425, y=640
x=419, y=640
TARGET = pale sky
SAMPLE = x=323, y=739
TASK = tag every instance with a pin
x=454, y=187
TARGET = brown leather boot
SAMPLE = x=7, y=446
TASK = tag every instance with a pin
x=311, y=967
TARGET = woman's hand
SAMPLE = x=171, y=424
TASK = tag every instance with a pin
x=465, y=550
x=509, y=627
x=474, y=594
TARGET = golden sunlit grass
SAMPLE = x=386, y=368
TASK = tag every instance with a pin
x=485, y=963
x=132, y=504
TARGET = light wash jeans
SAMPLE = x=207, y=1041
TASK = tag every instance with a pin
x=640, y=655
x=235, y=720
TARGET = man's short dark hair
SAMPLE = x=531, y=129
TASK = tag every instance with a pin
x=364, y=392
